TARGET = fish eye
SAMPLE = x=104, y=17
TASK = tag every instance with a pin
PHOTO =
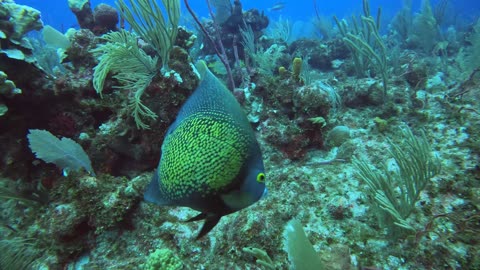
x=261, y=177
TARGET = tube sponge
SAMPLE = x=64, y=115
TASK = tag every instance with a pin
x=297, y=69
x=83, y=11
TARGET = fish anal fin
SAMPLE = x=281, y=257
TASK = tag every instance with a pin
x=210, y=222
x=198, y=217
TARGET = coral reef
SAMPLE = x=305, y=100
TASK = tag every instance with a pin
x=17, y=20
x=341, y=166
x=162, y=259
x=106, y=18
x=83, y=11
x=102, y=19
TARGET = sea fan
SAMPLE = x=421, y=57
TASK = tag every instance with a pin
x=65, y=153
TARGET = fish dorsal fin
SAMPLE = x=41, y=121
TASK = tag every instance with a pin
x=201, y=68
x=211, y=97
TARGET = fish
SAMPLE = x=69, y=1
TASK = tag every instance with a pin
x=210, y=158
x=278, y=6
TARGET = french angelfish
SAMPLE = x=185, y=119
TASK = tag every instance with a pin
x=210, y=160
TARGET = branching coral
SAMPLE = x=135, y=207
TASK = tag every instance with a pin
x=425, y=28
x=132, y=67
x=469, y=57
x=395, y=193
x=18, y=253
x=157, y=25
x=366, y=45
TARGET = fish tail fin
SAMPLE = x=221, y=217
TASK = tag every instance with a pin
x=210, y=222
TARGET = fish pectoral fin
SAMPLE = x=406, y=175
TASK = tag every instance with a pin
x=152, y=193
x=210, y=222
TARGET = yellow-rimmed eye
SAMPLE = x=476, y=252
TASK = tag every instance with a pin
x=261, y=178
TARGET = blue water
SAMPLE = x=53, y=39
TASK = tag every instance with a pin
x=57, y=13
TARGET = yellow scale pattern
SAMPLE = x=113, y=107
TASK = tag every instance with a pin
x=207, y=150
